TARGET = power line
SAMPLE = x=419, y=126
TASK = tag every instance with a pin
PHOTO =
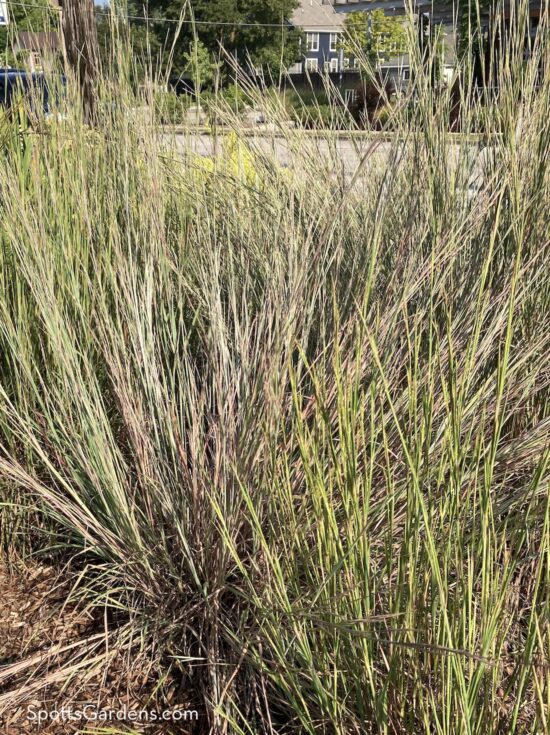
x=154, y=19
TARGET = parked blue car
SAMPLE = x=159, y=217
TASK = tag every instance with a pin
x=18, y=82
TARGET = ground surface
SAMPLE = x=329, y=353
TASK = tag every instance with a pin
x=347, y=151
x=41, y=645
x=350, y=159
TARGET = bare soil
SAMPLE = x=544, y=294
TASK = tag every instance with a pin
x=55, y=656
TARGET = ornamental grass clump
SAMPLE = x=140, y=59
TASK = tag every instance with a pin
x=286, y=422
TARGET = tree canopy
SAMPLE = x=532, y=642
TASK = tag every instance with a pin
x=374, y=34
x=255, y=30
x=470, y=21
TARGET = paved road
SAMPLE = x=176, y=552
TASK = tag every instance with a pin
x=346, y=150
x=336, y=155
x=339, y=153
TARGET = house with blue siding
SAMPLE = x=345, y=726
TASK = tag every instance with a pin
x=321, y=27
x=323, y=24
x=321, y=52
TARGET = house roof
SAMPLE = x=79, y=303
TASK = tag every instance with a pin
x=38, y=40
x=443, y=10
x=316, y=16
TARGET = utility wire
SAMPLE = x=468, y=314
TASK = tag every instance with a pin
x=154, y=19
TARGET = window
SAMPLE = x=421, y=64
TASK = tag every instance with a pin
x=312, y=42
x=334, y=65
x=334, y=41
x=36, y=61
x=346, y=62
x=295, y=68
x=312, y=65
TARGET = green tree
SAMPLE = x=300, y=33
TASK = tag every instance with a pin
x=201, y=66
x=115, y=32
x=255, y=30
x=375, y=35
x=475, y=19
x=473, y=14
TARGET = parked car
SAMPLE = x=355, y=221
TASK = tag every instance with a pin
x=18, y=83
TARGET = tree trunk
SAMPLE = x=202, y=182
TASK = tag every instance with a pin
x=81, y=49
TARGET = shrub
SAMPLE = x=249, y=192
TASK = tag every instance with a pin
x=171, y=108
x=373, y=96
x=314, y=116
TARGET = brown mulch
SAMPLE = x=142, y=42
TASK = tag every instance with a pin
x=54, y=656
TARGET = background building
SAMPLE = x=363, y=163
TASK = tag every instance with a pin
x=321, y=52
x=322, y=28
x=322, y=22
x=39, y=47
